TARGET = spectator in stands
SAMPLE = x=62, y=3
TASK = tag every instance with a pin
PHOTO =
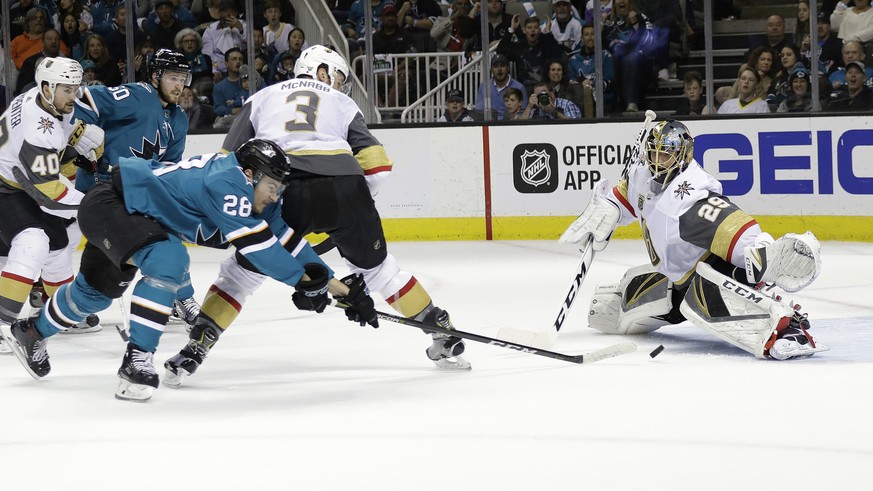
x=499, y=23
x=582, y=71
x=555, y=75
x=30, y=42
x=103, y=13
x=853, y=24
x=51, y=47
x=354, y=27
x=854, y=95
x=71, y=36
x=108, y=69
x=116, y=40
x=605, y=11
x=18, y=17
x=633, y=45
x=528, y=49
x=275, y=32
x=565, y=27
x=418, y=16
x=500, y=81
x=89, y=73
x=74, y=8
x=693, y=102
x=205, y=12
x=747, y=101
x=801, y=24
x=512, y=101
x=829, y=46
x=229, y=93
x=391, y=38
x=775, y=38
x=799, y=99
x=226, y=33
x=780, y=86
x=199, y=115
x=761, y=58
x=143, y=54
x=282, y=66
x=456, y=111
x=189, y=43
x=162, y=31
x=258, y=15
x=181, y=13
x=447, y=31
x=544, y=105
x=852, y=51
x=668, y=24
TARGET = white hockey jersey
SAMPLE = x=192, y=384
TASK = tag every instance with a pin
x=33, y=140
x=321, y=128
x=686, y=222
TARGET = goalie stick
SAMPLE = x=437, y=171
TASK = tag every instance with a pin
x=37, y=195
x=590, y=357
x=548, y=337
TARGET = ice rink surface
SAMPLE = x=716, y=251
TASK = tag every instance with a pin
x=294, y=400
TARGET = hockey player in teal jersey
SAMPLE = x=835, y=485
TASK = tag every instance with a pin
x=139, y=219
x=141, y=120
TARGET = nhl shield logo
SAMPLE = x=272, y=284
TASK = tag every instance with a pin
x=535, y=168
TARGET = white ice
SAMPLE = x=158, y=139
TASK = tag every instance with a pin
x=293, y=400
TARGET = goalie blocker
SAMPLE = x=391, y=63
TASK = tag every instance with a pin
x=729, y=307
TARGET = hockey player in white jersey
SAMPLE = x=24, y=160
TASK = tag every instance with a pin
x=34, y=135
x=710, y=261
x=337, y=168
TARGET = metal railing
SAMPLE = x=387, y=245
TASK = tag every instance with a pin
x=320, y=27
x=403, y=79
x=429, y=106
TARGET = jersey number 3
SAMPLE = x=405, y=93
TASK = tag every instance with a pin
x=306, y=104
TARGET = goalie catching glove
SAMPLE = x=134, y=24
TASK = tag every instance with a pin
x=311, y=294
x=357, y=303
x=598, y=221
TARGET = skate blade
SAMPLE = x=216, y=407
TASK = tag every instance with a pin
x=174, y=380
x=18, y=351
x=85, y=329
x=133, y=392
x=456, y=363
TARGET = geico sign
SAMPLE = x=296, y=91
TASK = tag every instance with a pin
x=821, y=165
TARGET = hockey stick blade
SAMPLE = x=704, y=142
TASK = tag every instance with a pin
x=591, y=357
x=37, y=195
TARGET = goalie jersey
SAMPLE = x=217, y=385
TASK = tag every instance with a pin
x=320, y=127
x=135, y=123
x=33, y=140
x=686, y=222
x=208, y=200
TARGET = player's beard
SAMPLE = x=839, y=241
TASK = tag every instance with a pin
x=167, y=97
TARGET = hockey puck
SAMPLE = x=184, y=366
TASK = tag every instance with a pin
x=655, y=352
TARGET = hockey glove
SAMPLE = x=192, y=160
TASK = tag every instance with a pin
x=311, y=294
x=86, y=138
x=358, y=304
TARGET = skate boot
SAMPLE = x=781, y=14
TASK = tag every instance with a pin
x=185, y=311
x=137, y=375
x=446, y=350
x=203, y=337
x=792, y=339
x=30, y=347
x=91, y=324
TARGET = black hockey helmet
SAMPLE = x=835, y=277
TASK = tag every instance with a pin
x=167, y=59
x=264, y=158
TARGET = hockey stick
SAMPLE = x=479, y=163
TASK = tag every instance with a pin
x=591, y=357
x=37, y=195
x=548, y=337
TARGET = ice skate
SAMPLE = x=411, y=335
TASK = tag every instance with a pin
x=137, y=375
x=446, y=350
x=185, y=311
x=204, y=335
x=90, y=324
x=4, y=346
x=29, y=347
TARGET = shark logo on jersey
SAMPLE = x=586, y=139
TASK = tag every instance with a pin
x=215, y=239
x=45, y=124
x=150, y=149
x=683, y=190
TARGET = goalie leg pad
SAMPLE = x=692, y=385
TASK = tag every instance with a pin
x=744, y=316
x=634, y=305
x=791, y=263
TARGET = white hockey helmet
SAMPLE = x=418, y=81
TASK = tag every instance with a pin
x=54, y=71
x=318, y=56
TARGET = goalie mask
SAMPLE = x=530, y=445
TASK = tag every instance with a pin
x=669, y=148
x=318, y=56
